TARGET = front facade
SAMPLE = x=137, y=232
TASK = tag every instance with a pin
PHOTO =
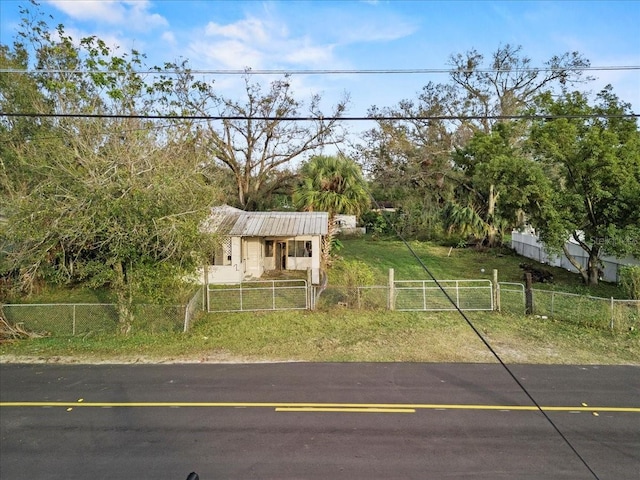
x=257, y=242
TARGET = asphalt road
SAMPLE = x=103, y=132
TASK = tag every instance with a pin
x=317, y=421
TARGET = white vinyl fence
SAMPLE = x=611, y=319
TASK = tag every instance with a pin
x=529, y=246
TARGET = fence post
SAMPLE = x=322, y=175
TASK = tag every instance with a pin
x=612, y=313
x=528, y=294
x=206, y=288
x=73, y=327
x=496, y=291
x=424, y=295
x=392, y=295
x=273, y=294
x=309, y=289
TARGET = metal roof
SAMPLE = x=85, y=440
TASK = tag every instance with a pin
x=231, y=221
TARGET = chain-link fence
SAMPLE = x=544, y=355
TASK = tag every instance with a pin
x=625, y=315
x=595, y=312
x=194, y=307
x=361, y=298
x=85, y=319
x=69, y=319
x=512, y=297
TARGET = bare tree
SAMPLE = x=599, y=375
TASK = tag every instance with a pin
x=508, y=82
x=256, y=138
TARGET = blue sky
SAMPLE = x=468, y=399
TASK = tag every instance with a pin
x=342, y=34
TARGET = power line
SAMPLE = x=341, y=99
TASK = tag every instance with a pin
x=482, y=338
x=320, y=117
x=373, y=71
x=486, y=343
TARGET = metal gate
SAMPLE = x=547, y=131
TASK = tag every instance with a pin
x=257, y=296
x=426, y=295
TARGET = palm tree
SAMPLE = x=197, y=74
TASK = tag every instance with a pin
x=332, y=184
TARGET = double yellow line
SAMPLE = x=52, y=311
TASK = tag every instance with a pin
x=322, y=407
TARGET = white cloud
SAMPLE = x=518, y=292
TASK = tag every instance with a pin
x=310, y=55
x=258, y=43
x=229, y=54
x=169, y=37
x=250, y=30
x=130, y=14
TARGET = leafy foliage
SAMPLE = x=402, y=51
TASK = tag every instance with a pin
x=334, y=185
x=591, y=155
x=97, y=201
x=630, y=280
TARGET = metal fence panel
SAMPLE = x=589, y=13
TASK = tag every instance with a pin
x=512, y=297
x=64, y=319
x=261, y=295
x=193, y=307
x=370, y=297
x=427, y=296
x=574, y=308
x=625, y=315
x=158, y=318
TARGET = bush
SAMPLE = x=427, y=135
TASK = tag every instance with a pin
x=351, y=273
x=346, y=276
x=630, y=281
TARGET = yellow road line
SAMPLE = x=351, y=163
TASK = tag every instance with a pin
x=284, y=405
x=350, y=410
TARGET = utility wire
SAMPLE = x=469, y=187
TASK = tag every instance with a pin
x=486, y=343
x=373, y=71
x=480, y=336
x=319, y=117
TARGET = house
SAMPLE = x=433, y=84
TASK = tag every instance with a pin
x=258, y=242
x=346, y=225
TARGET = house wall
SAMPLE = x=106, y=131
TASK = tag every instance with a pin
x=248, y=260
x=233, y=273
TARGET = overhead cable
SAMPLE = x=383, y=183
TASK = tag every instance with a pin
x=355, y=71
x=319, y=117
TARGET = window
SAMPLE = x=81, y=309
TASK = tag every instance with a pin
x=299, y=248
x=268, y=248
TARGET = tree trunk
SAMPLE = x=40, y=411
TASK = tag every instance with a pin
x=327, y=241
x=593, y=266
x=591, y=274
x=492, y=231
x=125, y=312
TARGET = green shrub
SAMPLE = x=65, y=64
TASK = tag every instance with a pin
x=630, y=280
x=351, y=273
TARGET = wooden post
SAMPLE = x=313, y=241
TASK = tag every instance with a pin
x=528, y=294
x=496, y=291
x=391, y=301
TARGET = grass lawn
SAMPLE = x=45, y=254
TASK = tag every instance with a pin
x=347, y=336
x=447, y=263
x=341, y=334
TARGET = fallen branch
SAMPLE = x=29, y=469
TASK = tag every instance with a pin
x=17, y=331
